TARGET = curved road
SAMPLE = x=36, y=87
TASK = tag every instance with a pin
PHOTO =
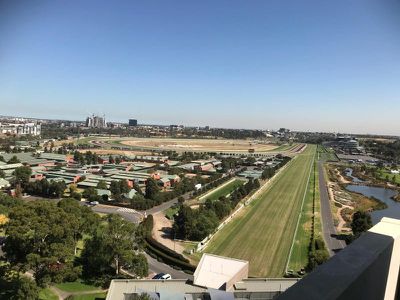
x=131, y=215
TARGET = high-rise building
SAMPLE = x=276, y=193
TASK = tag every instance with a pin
x=96, y=121
x=132, y=122
x=34, y=129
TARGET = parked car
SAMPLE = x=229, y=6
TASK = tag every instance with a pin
x=162, y=276
x=94, y=203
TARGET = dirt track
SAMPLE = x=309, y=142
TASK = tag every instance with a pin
x=198, y=144
x=161, y=232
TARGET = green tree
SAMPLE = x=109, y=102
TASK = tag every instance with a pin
x=84, y=220
x=361, y=222
x=22, y=175
x=113, y=246
x=17, y=287
x=25, y=289
x=152, y=189
x=90, y=194
x=102, y=184
x=40, y=237
x=13, y=160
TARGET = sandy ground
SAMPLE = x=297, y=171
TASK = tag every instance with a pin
x=341, y=178
x=161, y=232
x=341, y=226
x=199, y=144
x=115, y=152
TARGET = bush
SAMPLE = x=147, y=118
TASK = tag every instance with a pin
x=170, y=260
x=321, y=256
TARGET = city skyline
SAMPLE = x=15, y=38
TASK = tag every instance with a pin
x=307, y=66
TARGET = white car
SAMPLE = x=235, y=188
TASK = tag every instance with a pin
x=163, y=276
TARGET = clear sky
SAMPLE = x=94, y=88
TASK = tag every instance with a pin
x=305, y=65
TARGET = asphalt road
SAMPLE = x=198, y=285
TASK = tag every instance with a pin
x=155, y=266
x=158, y=267
x=330, y=235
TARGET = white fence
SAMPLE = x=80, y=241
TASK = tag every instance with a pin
x=202, y=244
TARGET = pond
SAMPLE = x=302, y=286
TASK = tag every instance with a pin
x=349, y=173
x=382, y=194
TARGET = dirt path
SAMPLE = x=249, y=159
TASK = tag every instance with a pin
x=341, y=226
x=341, y=178
x=162, y=232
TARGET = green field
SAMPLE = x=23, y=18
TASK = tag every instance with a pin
x=300, y=251
x=385, y=174
x=224, y=191
x=76, y=286
x=47, y=294
x=263, y=234
x=326, y=154
x=89, y=296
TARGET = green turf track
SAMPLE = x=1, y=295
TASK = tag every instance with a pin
x=263, y=234
x=224, y=191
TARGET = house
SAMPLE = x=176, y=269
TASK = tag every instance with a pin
x=189, y=166
x=164, y=182
x=55, y=157
x=173, y=178
x=205, y=168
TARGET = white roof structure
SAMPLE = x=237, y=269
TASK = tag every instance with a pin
x=220, y=272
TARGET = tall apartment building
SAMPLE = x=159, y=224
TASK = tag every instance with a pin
x=96, y=121
x=132, y=122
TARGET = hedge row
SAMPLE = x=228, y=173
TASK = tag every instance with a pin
x=167, y=251
x=160, y=251
x=169, y=259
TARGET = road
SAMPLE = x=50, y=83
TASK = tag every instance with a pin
x=330, y=235
x=158, y=267
x=131, y=215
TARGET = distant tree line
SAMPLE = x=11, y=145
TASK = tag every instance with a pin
x=388, y=151
x=269, y=172
x=196, y=224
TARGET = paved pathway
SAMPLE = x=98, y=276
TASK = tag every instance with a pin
x=330, y=235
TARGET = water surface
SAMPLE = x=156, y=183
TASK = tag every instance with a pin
x=382, y=194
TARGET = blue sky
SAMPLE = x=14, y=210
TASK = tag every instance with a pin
x=305, y=65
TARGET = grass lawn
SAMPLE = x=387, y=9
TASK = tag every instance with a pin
x=325, y=154
x=384, y=174
x=80, y=244
x=299, y=257
x=224, y=191
x=47, y=294
x=170, y=212
x=90, y=296
x=76, y=286
x=263, y=234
